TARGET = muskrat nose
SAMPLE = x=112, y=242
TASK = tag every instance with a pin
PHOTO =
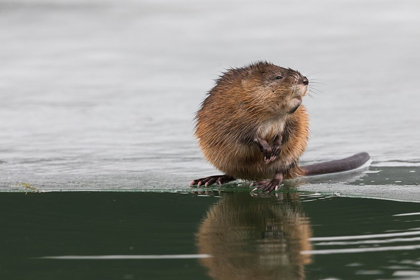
x=305, y=81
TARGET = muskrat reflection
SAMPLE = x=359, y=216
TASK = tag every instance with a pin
x=255, y=237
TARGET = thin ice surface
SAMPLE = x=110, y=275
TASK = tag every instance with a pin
x=101, y=96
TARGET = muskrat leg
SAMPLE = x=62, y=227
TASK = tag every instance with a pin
x=276, y=148
x=267, y=185
x=207, y=181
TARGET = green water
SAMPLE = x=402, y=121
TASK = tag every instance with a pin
x=238, y=236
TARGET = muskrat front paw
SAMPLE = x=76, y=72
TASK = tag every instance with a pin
x=268, y=155
x=207, y=181
x=275, y=152
x=265, y=149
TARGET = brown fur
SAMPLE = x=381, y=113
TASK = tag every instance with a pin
x=246, y=103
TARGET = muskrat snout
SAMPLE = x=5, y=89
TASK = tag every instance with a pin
x=304, y=85
x=299, y=91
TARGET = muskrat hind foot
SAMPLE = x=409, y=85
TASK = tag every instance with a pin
x=207, y=181
x=267, y=185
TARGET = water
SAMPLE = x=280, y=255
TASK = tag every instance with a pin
x=100, y=96
x=132, y=236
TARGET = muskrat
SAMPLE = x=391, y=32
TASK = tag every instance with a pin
x=252, y=126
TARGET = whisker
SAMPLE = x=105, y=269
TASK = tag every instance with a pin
x=318, y=83
x=309, y=94
x=318, y=79
x=313, y=73
x=316, y=91
x=316, y=87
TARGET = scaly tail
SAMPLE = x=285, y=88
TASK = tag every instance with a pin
x=340, y=165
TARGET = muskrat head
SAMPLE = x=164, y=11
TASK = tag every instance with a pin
x=281, y=89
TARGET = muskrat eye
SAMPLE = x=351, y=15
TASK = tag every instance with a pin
x=279, y=77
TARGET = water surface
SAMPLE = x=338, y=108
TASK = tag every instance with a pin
x=233, y=236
